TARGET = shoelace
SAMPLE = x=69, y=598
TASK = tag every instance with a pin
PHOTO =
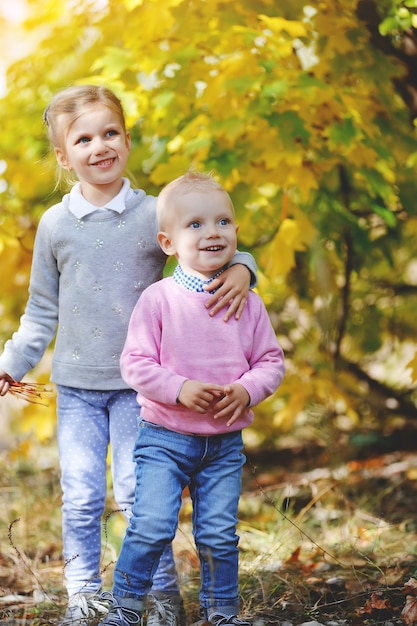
x=119, y=615
x=93, y=606
x=89, y=606
x=164, y=613
x=220, y=620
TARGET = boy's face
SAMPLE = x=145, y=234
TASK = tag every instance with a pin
x=201, y=232
x=96, y=148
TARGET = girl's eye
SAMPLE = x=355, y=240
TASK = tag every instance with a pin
x=111, y=133
x=224, y=221
x=195, y=225
x=83, y=140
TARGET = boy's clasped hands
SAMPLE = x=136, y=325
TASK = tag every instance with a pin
x=226, y=402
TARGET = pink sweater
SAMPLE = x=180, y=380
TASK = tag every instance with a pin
x=172, y=338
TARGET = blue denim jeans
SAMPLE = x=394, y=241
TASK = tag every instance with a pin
x=166, y=462
x=87, y=422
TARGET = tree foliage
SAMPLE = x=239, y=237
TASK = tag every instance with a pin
x=302, y=113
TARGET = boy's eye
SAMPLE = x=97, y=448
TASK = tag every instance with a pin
x=111, y=133
x=195, y=225
x=224, y=221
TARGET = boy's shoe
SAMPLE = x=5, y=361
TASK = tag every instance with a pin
x=165, y=610
x=119, y=615
x=216, y=619
x=82, y=607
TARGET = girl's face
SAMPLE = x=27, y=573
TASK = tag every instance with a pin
x=96, y=147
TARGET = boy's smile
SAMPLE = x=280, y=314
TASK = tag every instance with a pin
x=201, y=232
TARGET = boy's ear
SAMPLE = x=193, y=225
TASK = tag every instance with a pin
x=62, y=159
x=165, y=243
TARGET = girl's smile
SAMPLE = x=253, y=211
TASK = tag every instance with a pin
x=96, y=147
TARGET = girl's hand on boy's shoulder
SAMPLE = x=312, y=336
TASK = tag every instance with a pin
x=232, y=291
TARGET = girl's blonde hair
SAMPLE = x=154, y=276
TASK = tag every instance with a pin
x=67, y=105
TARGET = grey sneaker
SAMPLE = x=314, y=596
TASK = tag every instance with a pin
x=165, y=610
x=119, y=615
x=216, y=619
x=82, y=607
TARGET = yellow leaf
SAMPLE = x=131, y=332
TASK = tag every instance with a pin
x=309, y=232
x=413, y=366
x=279, y=257
x=269, y=190
x=115, y=60
x=165, y=172
x=20, y=451
x=304, y=179
x=39, y=420
x=278, y=24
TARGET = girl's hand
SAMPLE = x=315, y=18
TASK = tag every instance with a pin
x=232, y=290
x=5, y=381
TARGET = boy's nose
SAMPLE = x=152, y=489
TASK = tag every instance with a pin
x=212, y=230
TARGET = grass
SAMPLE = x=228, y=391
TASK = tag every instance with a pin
x=323, y=544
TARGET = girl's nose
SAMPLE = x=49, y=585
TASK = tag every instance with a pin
x=100, y=146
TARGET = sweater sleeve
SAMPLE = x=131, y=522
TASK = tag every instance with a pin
x=39, y=321
x=266, y=364
x=246, y=259
x=140, y=363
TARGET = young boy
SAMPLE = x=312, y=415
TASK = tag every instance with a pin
x=197, y=379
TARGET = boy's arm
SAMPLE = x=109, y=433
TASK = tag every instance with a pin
x=266, y=362
x=266, y=370
x=140, y=361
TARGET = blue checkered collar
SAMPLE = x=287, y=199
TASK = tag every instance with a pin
x=193, y=283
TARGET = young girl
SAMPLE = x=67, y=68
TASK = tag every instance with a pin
x=94, y=254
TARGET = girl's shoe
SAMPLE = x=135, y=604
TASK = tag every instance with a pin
x=82, y=607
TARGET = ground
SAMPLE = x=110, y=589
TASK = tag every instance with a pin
x=328, y=542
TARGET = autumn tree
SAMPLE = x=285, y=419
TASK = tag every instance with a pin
x=301, y=111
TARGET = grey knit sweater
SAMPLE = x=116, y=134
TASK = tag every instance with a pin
x=87, y=275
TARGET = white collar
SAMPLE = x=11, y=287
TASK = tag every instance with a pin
x=80, y=207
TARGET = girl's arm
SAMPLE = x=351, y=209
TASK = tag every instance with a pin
x=38, y=323
x=233, y=286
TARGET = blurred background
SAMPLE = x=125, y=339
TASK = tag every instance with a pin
x=306, y=112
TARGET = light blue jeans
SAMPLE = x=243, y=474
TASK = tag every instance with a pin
x=166, y=462
x=87, y=422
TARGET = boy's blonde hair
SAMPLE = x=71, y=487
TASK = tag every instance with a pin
x=192, y=180
x=67, y=105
